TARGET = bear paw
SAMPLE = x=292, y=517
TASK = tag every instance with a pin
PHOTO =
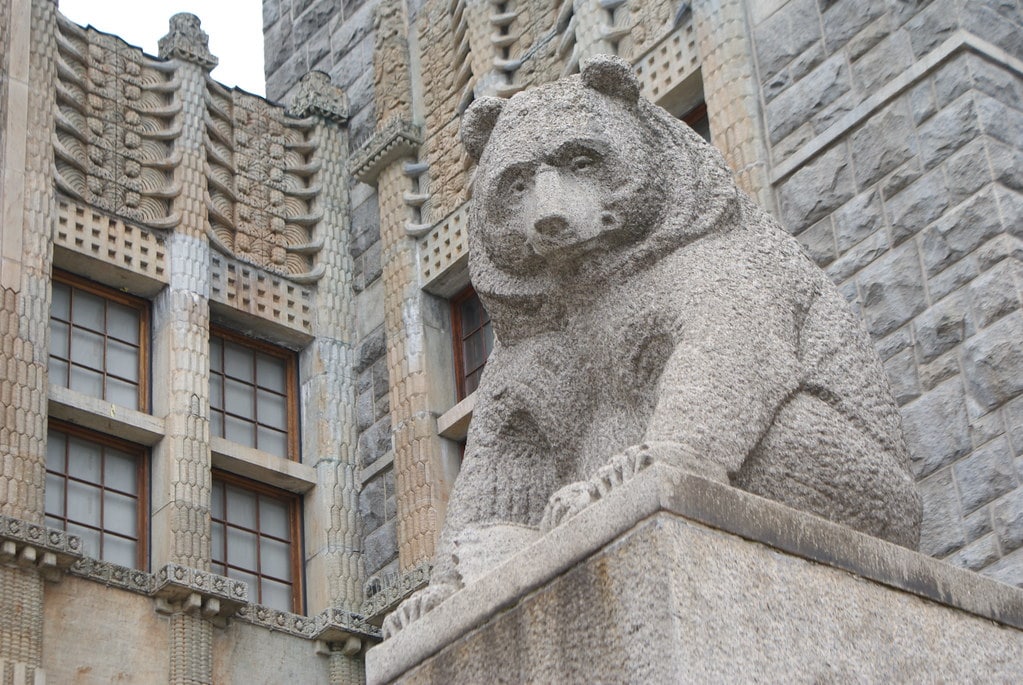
x=566, y=503
x=414, y=608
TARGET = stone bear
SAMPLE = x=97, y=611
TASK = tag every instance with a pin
x=647, y=310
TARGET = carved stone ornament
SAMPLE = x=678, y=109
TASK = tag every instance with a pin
x=647, y=311
x=187, y=41
x=317, y=95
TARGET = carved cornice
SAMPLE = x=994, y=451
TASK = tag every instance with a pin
x=316, y=95
x=398, y=139
x=182, y=587
x=384, y=594
x=29, y=544
x=188, y=42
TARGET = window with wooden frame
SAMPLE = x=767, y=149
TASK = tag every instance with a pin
x=99, y=341
x=698, y=120
x=256, y=534
x=473, y=340
x=252, y=396
x=96, y=487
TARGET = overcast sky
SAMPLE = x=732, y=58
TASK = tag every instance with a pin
x=235, y=28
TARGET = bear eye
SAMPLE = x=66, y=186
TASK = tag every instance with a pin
x=519, y=187
x=582, y=162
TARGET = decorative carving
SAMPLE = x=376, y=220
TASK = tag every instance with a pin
x=51, y=549
x=317, y=95
x=668, y=63
x=116, y=123
x=719, y=347
x=114, y=575
x=187, y=41
x=190, y=588
x=385, y=592
x=337, y=625
x=444, y=249
x=392, y=87
x=399, y=138
x=253, y=290
x=262, y=171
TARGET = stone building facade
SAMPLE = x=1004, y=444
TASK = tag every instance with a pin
x=308, y=254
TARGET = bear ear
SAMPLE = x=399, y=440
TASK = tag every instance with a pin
x=612, y=76
x=477, y=123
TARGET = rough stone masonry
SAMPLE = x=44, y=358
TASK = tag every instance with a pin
x=648, y=311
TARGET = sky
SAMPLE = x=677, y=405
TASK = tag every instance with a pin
x=235, y=28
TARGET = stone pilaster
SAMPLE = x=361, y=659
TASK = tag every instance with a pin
x=731, y=92
x=28, y=205
x=181, y=461
x=334, y=560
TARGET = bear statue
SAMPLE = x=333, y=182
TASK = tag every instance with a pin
x=646, y=310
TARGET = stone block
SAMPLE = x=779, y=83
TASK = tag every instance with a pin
x=985, y=475
x=998, y=22
x=1014, y=423
x=968, y=170
x=819, y=242
x=682, y=580
x=807, y=97
x=977, y=524
x=871, y=34
x=882, y=63
x=372, y=499
x=930, y=27
x=901, y=369
x=893, y=290
x=995, y=293
x=941, y=529
x=372, y=348
x=917, y=205
x=998, y=120
x=785, y=35
x=843, y=19
x=997, y=81
x=976, y=555
x=1006, y=161
x=365, y=413
x=271, y=12
x=816, y=189
x=937, y=428
x=922, y=102
x=858, y=256
x=381, y=547
x=948, y=130
x=960, y=232
x=1008, y=569
x=277, y=46
x=856, y=219
x=993, y=362
x=312, y=24
x=942, y=326
x=883, y=144
x=1007, y=519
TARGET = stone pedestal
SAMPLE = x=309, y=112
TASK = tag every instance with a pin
x=673, y=578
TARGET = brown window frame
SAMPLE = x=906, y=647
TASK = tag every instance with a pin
x=458, y=337
x=291, y=381
x=142, y=456
x=140, y=304
x=294, y=504
x=696, y=115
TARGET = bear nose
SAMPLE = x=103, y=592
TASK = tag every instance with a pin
x=549, y=217
x=551, y=225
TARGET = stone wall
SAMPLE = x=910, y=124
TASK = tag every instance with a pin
x=894, y=131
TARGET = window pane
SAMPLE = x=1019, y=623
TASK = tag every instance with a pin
x=271, y=372
x=252, y=581
x=54, y=522
x=55, y=445
x=90, y=539
x=274, y=442
x=58, y=339
x=241, y=508
x=216, y=423
x=217, y=542
x=241, y=548
x=238, y=397
x=238, y=362
x=473, y=352
x=122, y=393
x=276, y=595
x=217, y=392
x=120, y=471
x=83, y=503
x=58, y=372
x=120, y=514
x=120, y=551
x=54, y=495
x=237, y=430
x=87, y=348
x=470, y=310
x=123, y=360
x=217, y=501
x=123, y=322
x=86, y=382
x=488, y=339
x=273, y=518
x=88, y=310
x=219, y=569
x=271, y=409
x=85, y=460
x=59, y=305
x=275, y=558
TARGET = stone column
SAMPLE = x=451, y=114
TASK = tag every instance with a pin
x=334, y=568
x=181, y=461
x=731, y=93
x=27, y=201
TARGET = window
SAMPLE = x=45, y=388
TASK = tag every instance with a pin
x=251, y=397
x=255, y=539
x=473, y=340
x=698, y=120
x=95, y=488
x=98, y=341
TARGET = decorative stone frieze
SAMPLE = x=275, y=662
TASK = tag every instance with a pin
x=397, y=139
x=220, y=595
x=384, y=593
x=444, y=252
x=187, y=41
x=316, y=95
x=114, y=575
x=28, y=544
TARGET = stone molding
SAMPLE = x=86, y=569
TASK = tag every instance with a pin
x=663, y=489
x=958, y=42
x=28, y=544
x=192, y=589
x=397, y=139
x=383, y=593
x=187, y=41
x=114, y=575
x=316, y=95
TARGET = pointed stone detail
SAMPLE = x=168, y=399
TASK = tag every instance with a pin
x=187, y=41
x=317, y=95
